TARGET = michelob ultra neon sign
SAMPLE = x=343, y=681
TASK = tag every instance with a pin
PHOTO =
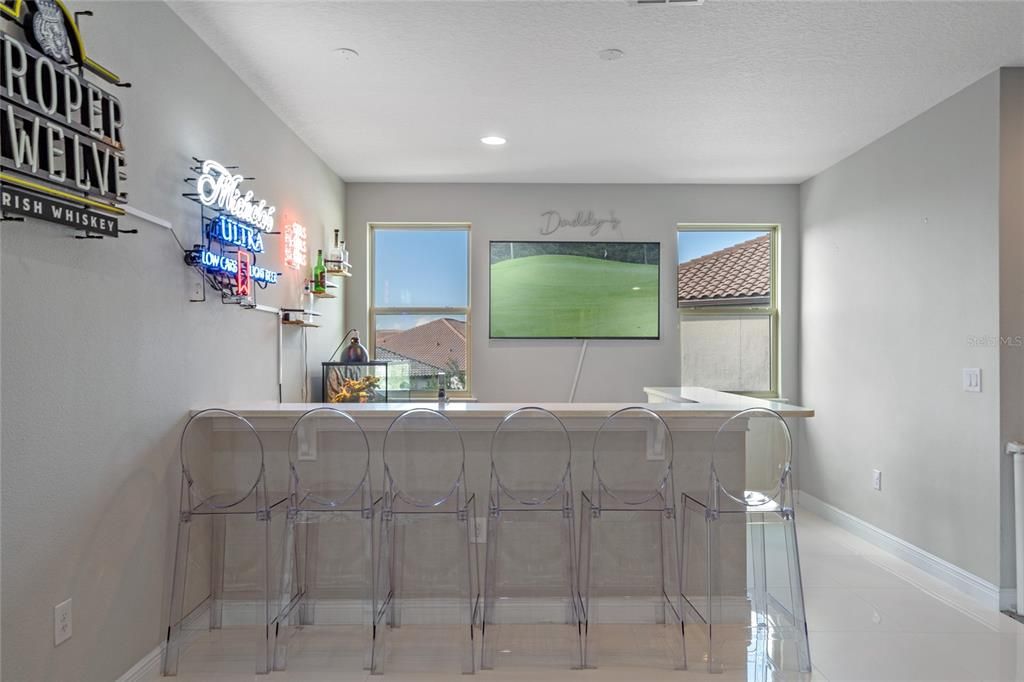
x=217, y=188
x=234, y=224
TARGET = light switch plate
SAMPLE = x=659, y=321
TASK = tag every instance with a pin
x=972, y=379
x=876, y=479
x=62, y=622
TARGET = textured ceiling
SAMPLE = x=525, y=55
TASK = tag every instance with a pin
x=731, y=91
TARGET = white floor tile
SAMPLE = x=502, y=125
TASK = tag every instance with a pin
x=871, y=617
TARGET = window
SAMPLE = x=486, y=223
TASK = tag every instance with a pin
x=728, y=310
x=419, y=305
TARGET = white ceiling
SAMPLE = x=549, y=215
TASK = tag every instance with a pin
x=731, y=91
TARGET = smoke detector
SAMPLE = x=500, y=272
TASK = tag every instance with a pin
x=666, y=2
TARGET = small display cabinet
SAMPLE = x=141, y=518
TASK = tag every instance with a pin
x=362, y=382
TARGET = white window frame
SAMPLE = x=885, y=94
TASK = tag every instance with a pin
x=771, y=310
x=374, y=311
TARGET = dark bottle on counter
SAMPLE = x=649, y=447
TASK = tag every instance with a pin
x=442, y=393
x=319, y=274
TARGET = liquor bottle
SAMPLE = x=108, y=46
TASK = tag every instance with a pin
x=334, y=255
x=319, y=274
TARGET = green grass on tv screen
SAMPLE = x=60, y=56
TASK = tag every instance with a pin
x=570, y=290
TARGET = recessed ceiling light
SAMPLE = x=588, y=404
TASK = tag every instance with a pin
x=611, y=54
x=346, y=53
x=493, y=140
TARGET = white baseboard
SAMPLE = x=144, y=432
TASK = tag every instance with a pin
x=1007, y=598
x=952, y=575
x=148, y=667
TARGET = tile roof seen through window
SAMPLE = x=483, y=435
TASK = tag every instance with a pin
x=737, y=274
x=434, y=345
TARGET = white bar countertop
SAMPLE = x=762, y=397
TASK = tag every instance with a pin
x=676, y=401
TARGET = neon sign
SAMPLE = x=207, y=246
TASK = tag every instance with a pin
x=218, y=188
x=243, y=278
x=295, y=246
x=227, y=230
x=219, y=262
x=63, y=156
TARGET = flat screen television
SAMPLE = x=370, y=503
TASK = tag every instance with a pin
x=575, y=290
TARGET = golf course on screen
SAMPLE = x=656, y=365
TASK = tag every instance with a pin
x=574, y=290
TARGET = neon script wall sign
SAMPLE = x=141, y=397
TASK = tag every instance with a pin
x=295, y=253
x=218, y=188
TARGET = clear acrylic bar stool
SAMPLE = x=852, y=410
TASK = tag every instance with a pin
x=427, y=572
x=329, y=494
x=222, y=477
x=629, y=549
x=531, y=502
x=750, y=612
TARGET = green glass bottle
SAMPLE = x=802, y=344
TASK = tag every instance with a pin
x=319, y=274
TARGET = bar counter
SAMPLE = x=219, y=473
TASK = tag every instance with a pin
x=674, y=404
x=694, y=416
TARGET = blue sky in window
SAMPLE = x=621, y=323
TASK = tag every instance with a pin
x=420, y=267
x=696, y=243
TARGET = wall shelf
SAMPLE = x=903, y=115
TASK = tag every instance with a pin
x=345, y=270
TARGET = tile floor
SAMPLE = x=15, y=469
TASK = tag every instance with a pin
x=871, y=616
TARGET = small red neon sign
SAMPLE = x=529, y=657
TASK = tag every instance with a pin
x=243, y=279
x=295, y=246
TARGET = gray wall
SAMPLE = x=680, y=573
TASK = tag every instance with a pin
x=1011, y=291
x=103, y=355
x=539, y=370
x=900, y=265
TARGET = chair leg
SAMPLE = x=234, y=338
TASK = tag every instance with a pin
x=264, y=648
x=713, y=605
x=588, y=659
x=298, y=556
x=797, y=589
x=672, y=601
x=218, y=547
x=572, y=557
x=179, y=574
x=307, y=611
x=469, y=652
x=488, y=635
x=687, y=599
x=383, y=613
x=661, y=612
x=395, y=568
x=759, y=597
x=369, y=609
x=759, y=570
x=284, y=605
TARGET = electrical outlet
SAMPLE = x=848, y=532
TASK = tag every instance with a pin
x=62, y=622
x=195, y=291
x=876, y=479
x=480, y=529
x=307, y=453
